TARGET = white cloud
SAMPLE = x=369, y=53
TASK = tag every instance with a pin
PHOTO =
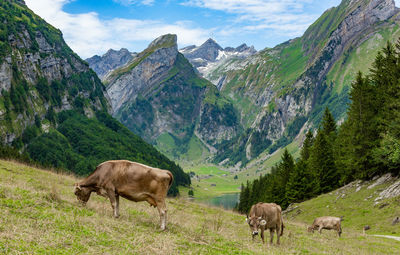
x=132, y=2
x=285, y=15
x=88, y=35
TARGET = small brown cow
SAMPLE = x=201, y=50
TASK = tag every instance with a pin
x=326, y=222
x=130, y=180
x=266, y=216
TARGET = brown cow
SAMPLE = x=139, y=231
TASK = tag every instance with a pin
x=326, y=222
x=266, y=216
x=133, y=181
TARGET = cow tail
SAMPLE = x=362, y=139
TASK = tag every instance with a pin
x=282, y=227
x=171, y=179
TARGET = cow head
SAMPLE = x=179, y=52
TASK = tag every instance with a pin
x=255, y=223
x=82, y=193
x=310, y=229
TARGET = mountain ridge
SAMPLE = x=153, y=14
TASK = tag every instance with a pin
x=53, y=107
x=160, y=96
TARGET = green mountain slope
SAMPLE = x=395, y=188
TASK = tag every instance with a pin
x=284, y=90
x=54, y=108
x=40, y=214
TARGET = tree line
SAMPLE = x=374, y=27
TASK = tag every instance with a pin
x=365, y=145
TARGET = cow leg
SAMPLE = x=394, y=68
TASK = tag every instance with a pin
x=114, y=199
x=271, y=235
x=262, y=235
x=320, y=229
x=278, y=234
x=116, y=211
x=162, y=210
x=340, y=231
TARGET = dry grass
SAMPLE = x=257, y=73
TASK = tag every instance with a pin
x=40, y=215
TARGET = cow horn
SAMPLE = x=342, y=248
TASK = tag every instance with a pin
x=247, y=219
x=263, y=223
x=259, y=218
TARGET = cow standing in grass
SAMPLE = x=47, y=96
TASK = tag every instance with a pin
x=130, y=180
x=266, y=216
x=326, y=222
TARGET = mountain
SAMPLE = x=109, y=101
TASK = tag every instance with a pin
x=111, y=60
x=281, y=92
x=277, y=93
x=54, y=108
x=210, y=56
x=160, y=97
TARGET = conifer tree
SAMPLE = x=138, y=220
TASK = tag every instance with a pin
x=300, y=185
x=322, y=164
x=285, y=168
x=307, y=145
x=329, y=124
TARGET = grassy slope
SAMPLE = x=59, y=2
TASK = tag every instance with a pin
x=345, y=69
x=41, y=215
x=357, y=207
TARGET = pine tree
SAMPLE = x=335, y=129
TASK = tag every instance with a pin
x=329, y=124
x=322, y=164
x=362, y=127
x=300, y=185
x=307, y=145
x=285, y=168
x=244, y=199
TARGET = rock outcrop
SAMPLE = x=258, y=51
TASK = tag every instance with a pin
x=39, y=74
x=110, y=61
x=159, y=96
x=288, y=87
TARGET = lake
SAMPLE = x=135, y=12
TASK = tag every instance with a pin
x=227, y=201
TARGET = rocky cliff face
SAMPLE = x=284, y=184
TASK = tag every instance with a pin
x=110, y=61
x=38, y=72
x=209, y=57
x=159, y=96
x=292, y=83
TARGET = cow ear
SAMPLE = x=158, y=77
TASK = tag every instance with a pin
x=263, y=223
x=77, y=186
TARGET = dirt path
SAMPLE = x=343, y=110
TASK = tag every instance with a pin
x=391, y=237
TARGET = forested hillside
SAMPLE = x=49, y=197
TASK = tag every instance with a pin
x=364, y=146
x=53, y=108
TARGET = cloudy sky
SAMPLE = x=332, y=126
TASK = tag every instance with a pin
x=93, y=26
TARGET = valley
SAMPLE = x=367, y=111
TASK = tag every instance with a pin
x=311, y=124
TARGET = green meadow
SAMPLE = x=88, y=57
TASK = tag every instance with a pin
x=40, y=215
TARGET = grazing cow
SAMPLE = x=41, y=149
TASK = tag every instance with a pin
x=266, y=216
x=326, y=222
x=133, y=181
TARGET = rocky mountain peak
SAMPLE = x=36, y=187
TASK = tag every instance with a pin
x=164, y=41
x=211, y=43
x=111, y=60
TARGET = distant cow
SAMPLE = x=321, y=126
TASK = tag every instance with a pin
x=133, y=181
x=326, y=222
x=266, y=216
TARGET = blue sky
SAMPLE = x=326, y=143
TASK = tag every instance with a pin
x=93, y=26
